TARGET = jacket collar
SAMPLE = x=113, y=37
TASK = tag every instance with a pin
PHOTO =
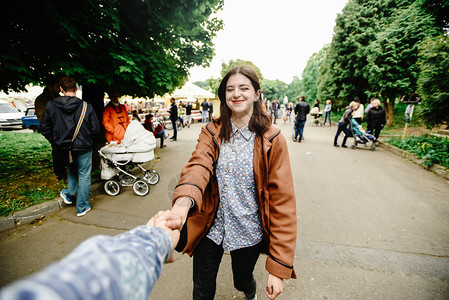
x=268, y=136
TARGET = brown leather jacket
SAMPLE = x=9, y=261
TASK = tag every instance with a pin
x=274, y=193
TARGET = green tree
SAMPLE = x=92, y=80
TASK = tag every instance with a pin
x=392, y=56
x=214, y=84
x=202, y=84
x=274, y=89
x=226, y=67
x=374, y=51
x=434, y=80
x=294, y=90
x=310, y=74
x=139, y=47
x=342, y=76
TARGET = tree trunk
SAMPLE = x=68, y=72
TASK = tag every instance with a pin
x=94, y=95
x=390, y=112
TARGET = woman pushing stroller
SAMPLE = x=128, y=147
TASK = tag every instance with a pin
x=344, y=122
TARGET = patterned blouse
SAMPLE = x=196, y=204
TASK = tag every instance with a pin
x=237, y=224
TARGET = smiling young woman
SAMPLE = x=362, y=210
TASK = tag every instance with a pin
x=239, y=178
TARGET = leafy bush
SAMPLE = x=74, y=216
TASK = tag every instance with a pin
x=434, y=150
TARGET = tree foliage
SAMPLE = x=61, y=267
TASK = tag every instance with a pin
x=374, y=51
x=141, y=47
x=434, y=80
x=226, y=67
x=294, y=90
x=309, y=83
x=274, y=89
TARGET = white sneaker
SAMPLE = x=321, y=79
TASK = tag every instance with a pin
x=84, y=212
x=64, y=197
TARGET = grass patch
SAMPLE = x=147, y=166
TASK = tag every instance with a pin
x=434, y=150
x=26, y=171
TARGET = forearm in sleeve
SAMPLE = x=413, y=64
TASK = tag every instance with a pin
x=103, y=267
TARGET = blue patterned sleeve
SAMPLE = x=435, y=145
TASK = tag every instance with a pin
x=125, y=266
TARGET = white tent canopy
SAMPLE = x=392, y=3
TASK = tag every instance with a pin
x=190, y=90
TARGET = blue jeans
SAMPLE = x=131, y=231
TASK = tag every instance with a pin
x=204, y=116
x=342, y=127
x=327, y=115
x=299, y=129
x=79, y=179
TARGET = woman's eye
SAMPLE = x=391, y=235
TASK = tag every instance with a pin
x=229, y=90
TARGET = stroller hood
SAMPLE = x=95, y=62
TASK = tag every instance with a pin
x=138, y=139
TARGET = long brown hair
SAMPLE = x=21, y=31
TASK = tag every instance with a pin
x=259, y=121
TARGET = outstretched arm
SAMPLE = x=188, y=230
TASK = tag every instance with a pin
x=125, y=266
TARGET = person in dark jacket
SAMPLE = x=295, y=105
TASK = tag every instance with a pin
x=59, y=121
x=376, y=118
x=173, y=118
x=302, y=108
x=50, y=92
x=210, y=110
x=344, y=122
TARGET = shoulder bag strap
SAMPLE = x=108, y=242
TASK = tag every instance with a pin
x=77, y=129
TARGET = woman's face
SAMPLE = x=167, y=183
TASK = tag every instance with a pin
x=375, y=104
x=240, y=95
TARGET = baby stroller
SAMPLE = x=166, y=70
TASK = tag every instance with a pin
x=119, y=160
x=360, y=136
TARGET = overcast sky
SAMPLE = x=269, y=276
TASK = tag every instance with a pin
x=278, y=36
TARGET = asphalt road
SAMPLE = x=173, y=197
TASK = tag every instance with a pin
x=371, y=226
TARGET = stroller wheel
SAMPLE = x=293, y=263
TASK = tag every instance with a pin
x=141, y=187
x=151, y=176
x=112, y=187
x=373, y=147
x=353, y=146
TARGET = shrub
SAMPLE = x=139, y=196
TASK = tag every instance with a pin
x=434, y=150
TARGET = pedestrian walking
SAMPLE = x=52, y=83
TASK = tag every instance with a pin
x=359, y=112
x=376, y=118
x=205, y=108
x=210, y=109
x=289, y=111
x=327, y=112
x=188, y=114
x=302, y=108
x=344, y=122
x=275, y=109
x=70, y=124
x=173, y=110
x=51, y=91
x=238, y=173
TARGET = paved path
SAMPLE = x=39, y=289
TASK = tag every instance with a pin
x=371, y=226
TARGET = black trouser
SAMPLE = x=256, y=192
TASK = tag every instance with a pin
x=60, y=162
x=375, y=130
x=206, y=261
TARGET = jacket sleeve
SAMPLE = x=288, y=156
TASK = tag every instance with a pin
x=125, y=266
x=46, y=126
x=196, y=174
x=383, y=120
x=107, y=121
x=282, y=212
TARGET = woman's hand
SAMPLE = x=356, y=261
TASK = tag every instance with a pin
x=275, y=286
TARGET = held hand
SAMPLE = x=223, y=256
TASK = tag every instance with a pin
x=173, y=220
x=275, y=286
x=174, y=234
